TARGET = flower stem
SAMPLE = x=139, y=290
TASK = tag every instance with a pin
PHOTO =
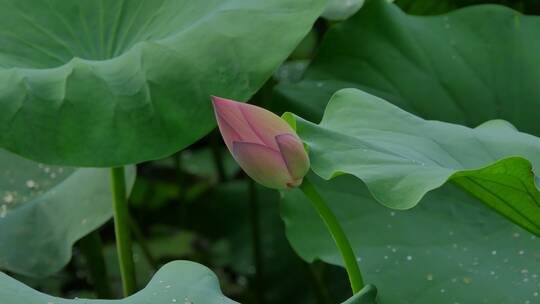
x=121, y=228
x=335, y=229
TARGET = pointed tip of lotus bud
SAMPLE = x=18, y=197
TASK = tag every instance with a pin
x=219, y=101
x=216, y=99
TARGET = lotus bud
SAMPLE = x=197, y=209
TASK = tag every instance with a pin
x=262, y=143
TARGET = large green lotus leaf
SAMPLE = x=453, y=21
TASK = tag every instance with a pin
x=466, y=67
x=44, y=210
x=401, y=157
x=449, y=249
x=180, y=282
x=103, y=83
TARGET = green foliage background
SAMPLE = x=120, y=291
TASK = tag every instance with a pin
x=104, y=83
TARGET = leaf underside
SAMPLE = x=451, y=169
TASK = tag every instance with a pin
x=45, y=209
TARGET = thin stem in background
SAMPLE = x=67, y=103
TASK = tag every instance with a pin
x=335, y=229
x=256, y=240
x=139, y=238
x=121, y=228
x=181, y=182
x=91, y=247
x=215, y=146
x=316, y=275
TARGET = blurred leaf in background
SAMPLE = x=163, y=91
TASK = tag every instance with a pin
x=430, y=7
x=466, y=67
x=228, y=224
x=45, y=209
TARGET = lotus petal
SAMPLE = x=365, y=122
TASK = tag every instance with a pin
x=264, y=165
x=294, y=155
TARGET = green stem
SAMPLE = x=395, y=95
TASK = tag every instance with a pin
x=91, y=247
x=256, y=241
x=121, y=228
x=342, y=243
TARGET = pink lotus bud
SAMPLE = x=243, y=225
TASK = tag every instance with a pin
x=262, y=143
